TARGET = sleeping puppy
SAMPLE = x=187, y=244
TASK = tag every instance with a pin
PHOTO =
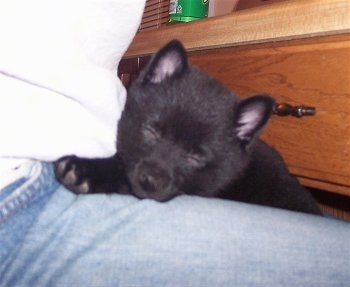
x=182, y=132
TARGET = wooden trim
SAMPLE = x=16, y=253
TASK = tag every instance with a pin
x=293, y=19
x=325, y=186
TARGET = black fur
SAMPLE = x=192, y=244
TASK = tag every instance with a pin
x=182, y=132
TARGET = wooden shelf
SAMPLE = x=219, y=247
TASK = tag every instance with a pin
x=274, y=22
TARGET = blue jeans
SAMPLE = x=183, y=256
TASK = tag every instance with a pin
x=51, y=237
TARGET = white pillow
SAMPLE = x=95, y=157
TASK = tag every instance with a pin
x=59, y=91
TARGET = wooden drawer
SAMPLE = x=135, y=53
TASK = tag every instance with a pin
x=313, y=72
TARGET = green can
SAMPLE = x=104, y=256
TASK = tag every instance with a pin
x=188, y=10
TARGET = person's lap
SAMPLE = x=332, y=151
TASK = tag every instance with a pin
x=118, y=240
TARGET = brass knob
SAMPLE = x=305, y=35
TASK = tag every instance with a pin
x=285, y=109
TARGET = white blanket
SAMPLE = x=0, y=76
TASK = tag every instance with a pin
x=59, y=91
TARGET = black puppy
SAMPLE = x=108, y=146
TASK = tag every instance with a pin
x=182, y=132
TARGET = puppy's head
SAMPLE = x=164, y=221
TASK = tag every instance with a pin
x=182, y=132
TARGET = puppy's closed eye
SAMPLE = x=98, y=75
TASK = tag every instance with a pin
x=198, y=159
x=150, y=134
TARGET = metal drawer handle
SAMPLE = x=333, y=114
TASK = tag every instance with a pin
x=285, y=109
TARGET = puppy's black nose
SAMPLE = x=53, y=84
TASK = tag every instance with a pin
x=152, y=178
x=147, y=182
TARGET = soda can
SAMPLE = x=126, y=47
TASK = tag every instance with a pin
x=188, y=10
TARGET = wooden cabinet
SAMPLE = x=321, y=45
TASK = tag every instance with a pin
x=313, y=72
x=299, y=53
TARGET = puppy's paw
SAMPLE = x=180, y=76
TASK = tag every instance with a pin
x=73, y=173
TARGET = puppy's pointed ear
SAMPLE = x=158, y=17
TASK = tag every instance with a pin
x=251, y=116
x=170, y=61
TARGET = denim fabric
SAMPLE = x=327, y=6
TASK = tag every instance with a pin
x=51, y=237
